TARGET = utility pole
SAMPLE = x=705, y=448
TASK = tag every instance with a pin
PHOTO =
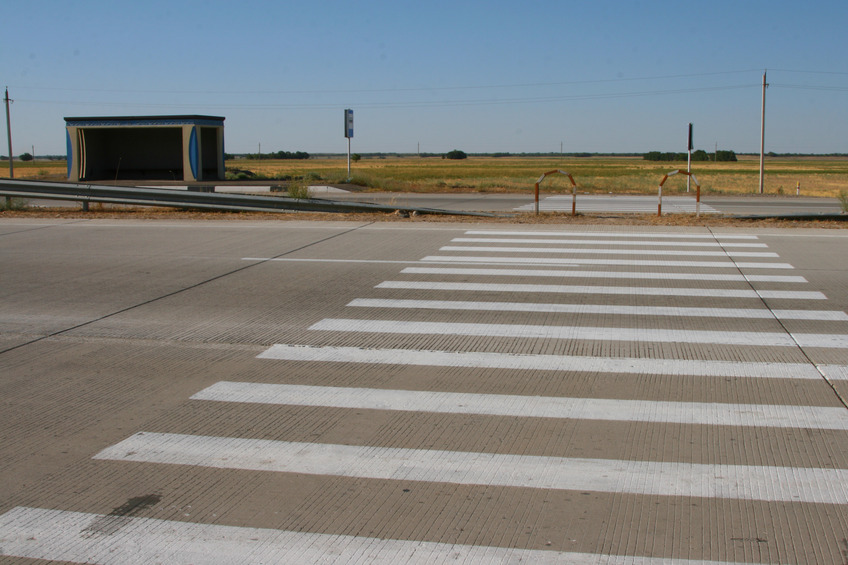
x=763, y=133
x=9, y=135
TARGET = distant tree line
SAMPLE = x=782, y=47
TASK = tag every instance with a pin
x=272, y=155
x=30, y=157
x=698, y=155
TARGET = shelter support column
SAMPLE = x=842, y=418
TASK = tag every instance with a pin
x=192, y=158
x=73, y=148
x=220, y=152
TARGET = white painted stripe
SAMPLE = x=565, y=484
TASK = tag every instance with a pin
x=640, y=242
x=621, y=234
x=303, y=260
x=698, y=413
x=786, y=484
x=835, y=372
x=603, y=274
x=745, y=313
x=58, y=535
x=821, y=315
x=590, y=289
x=640, y=252
x=586, y=261
x=620, y=206
x=754, y=339
x=528, y=362
x=544, y=261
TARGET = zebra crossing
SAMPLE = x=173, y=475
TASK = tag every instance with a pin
x=440, y=307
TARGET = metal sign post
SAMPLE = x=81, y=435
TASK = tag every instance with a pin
x=348, y=128
x=689, y=159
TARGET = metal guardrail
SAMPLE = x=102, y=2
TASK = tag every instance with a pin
x=137, y=196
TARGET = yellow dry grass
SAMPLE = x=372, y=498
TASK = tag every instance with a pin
x=816, y=176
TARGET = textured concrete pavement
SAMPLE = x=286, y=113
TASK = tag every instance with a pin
x=296, y=392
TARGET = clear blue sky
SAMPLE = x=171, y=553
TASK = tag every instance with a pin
x=526, y=76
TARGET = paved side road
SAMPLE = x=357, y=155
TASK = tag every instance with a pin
x=263, y=392
x=586, y=203
x=766, y=205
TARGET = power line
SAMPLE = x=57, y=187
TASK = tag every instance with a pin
x=412, y=103
x=810, y=72
x=400, y=89
x=812, y=87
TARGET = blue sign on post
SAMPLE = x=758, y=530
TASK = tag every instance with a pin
x=348, y=123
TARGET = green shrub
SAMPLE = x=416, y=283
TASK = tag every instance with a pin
x=298, y=191
x=8, y=203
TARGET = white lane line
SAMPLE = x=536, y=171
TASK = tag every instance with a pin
x=559, y=363
x=640, y=252
x=607, y=242
x=602, y=274
x=698, y=413
x=744, y=313
x=586, y=261
x=58, y=535
x=753, y=339
x=624, y=235
x=620, y=290
x=786, y=484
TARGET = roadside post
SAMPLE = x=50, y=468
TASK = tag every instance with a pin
x=348, y=132
x=689, y=158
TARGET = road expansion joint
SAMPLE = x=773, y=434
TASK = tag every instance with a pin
x=38, y=228
x=842, y=399
x=181, y=290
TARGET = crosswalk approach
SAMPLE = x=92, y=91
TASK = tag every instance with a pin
x=592, y=307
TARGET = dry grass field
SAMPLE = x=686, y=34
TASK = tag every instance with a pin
x=818, y=176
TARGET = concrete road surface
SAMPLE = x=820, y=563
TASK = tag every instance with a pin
x=339, y=392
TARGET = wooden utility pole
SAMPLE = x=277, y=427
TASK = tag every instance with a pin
x=9, y=135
